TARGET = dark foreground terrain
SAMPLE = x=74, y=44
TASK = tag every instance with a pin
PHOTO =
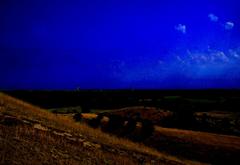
x=192, y=126
x=30, y=135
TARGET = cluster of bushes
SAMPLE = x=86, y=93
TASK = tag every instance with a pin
x=114, y=124
x=96, y=122
x=121, y=126
x=124, y=126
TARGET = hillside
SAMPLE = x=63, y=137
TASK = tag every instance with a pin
x=155, y=114
x=189, y=144
x=31, y=135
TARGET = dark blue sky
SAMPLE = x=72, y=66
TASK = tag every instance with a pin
x=97, y=44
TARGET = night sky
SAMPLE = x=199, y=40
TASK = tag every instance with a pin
x=102, y=44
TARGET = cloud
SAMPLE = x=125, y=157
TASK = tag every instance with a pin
x=221, y=56
x=234, y=53
x=229, y=25
x=209, y=57
x=213, y=17
x=181, y=28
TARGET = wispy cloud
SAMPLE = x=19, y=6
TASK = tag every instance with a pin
x=229, y=25
x=234, y=53
x=220, y=55
x=213, y=17
x=181, y=28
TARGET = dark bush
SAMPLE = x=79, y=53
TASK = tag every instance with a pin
x=137, y=116
x=115, y=122
x=204, y=125
x=95, y=123
x=129, y=127
x=100, y=116
x=147, y=129
x=77, y=117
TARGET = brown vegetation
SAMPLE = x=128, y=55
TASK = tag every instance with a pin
x=156, y=115
x=30, y=135
x=201, y=146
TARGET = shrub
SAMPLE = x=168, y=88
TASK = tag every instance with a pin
x=100, y=116
x=115, y=122
x=203, y=125
x=77, y=117
x=130, y=126
x=147, y=129
x=137, y=116
x=95, y=123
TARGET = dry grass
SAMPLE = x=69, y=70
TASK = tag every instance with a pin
x=222, y=141
x=25, y=111
x=155, y=114
x=31, y=146
x=89, y=115
x=189, y=144
x=204, y=147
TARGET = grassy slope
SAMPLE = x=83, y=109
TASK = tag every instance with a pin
x=206, y=147
x=24, y=144
x=155, y=114
x=202, y=146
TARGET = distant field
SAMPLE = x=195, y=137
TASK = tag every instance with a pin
x=200, y=100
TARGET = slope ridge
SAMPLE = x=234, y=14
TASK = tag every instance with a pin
x=31, y=135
